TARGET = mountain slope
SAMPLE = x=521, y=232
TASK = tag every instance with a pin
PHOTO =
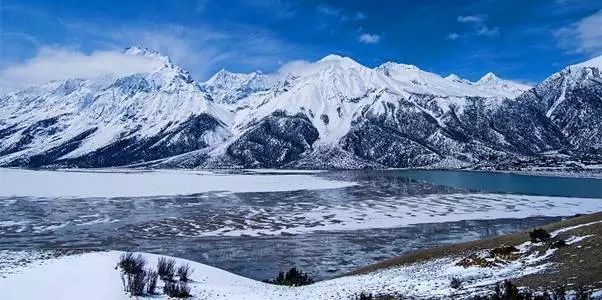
x=572, y=100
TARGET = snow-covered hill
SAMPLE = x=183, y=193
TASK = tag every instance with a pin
x=334, y=113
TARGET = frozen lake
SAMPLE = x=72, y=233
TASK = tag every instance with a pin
x=256, y=223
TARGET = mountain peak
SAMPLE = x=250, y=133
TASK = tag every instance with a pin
x=224, y=75
x=453, y=77
x=397, y=66
x=145, y=52
x=337, y=59
x=595, y=62
x=489, y=77
x=229, y=87
x=332, y=57
x=456, y=78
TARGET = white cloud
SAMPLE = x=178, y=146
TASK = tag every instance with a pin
x=486, y=31
x=296, y=67
x=368, y=38
x=471, y=19
x=202, y=49
x=583, y=36
x=53, y=63
x=452, y=36
x=196, y=50
x=360, y=16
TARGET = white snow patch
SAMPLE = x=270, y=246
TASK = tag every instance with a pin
x=559, y=231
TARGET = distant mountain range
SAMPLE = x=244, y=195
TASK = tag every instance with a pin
x=334, y=113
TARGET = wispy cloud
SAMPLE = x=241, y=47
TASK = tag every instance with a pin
x=340, y=14
x=53, y=63
x=583, y=36
x=201, y=49
x=479, y=26
x=368, y=38
x=452, y=36
x=196, y=49
x=329, y=10
x=486, y=31
x=471, y=19
x=295, y=67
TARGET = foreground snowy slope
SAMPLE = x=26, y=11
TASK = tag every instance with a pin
x=334, y=113
x=65, y=275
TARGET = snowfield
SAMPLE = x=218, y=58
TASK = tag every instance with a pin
x=95, y=276
x=132, y=183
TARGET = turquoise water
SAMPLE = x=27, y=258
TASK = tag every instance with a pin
x=510, y=183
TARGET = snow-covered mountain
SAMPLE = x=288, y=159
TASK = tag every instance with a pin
x=334, y=113
x=110, y=121
x=572, y=100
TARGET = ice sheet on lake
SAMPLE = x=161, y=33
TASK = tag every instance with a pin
x=303, y=217
x=117, y=183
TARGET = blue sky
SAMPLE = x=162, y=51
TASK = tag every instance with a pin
x=520, y=40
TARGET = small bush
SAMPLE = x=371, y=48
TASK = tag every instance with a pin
x=582, y=293
x=151, y=282
x=558, y=244
x=135, y=283
x=370, y=296
x=560, y=293
x=510, y=290
x=293, y=277
x=132, y=264
x=539, y=235
x=176, y=289
x=184, y=272
x=166, y=268
x=455, y=283
x=363, y=296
